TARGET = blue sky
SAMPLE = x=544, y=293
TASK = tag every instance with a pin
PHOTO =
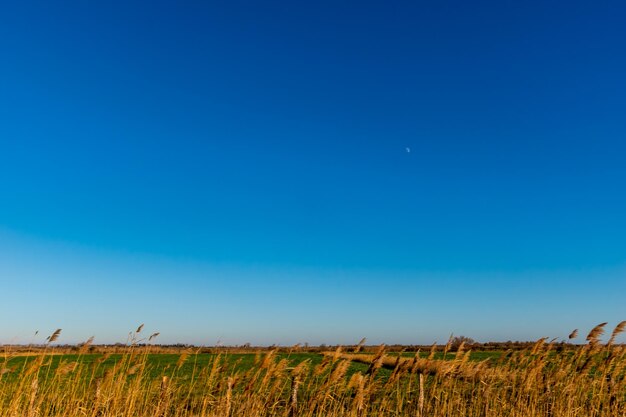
x=239, y=172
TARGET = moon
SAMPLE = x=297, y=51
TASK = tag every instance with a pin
x=408, y=150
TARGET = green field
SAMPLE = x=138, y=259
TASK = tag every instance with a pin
x=166, y=364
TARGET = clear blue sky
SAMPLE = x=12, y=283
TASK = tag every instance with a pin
x=239, y=171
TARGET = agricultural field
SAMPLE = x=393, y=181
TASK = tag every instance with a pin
x=541, y=380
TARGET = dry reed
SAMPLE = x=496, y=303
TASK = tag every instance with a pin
x=585, y=381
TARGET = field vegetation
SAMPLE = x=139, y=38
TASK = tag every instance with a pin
x=539, y=379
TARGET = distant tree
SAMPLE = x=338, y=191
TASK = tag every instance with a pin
x=456, y=341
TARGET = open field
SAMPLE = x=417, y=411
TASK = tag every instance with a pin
x=542, y=380
x=167, y=364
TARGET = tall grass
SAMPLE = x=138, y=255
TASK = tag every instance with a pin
x=542, y=380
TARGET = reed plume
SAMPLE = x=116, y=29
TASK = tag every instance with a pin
x=618, y=329
x=54, y=336
x=594, y=335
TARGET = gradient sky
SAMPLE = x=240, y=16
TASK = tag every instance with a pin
x=238, y=171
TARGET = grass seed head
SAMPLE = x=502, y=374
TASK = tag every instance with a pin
x=594, y=335
x=618, y=329
x=54, y=336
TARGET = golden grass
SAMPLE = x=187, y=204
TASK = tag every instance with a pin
x=582, y=381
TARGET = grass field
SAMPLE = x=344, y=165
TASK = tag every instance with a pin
x=586, y=380
x=160, y=364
